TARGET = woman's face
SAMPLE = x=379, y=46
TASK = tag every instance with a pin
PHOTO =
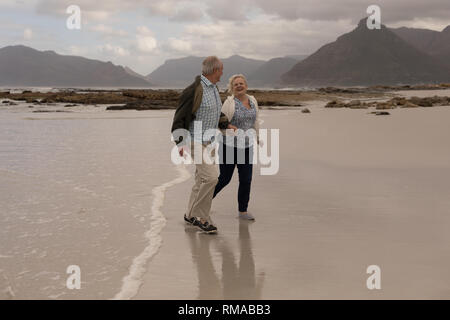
x=239, y=86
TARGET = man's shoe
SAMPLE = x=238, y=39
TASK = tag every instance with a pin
x=205, y=227
x=190, y=220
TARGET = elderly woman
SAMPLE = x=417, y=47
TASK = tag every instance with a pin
x=241, y=110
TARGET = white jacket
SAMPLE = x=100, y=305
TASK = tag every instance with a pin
x=229, y=106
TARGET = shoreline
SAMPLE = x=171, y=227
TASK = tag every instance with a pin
x=150, y=99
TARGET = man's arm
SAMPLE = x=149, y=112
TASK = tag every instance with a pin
x=183, y=112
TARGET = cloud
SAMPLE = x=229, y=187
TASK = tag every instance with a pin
x=187, y=14
x=179, y=45
x=238, y=10
x=90, y=10
x=18, y=3
x=233, y=10
x=146, y=42
x=97, y=15
x=263, y=37
x=27, y=34
x=175, y=10
x=77, y=50
x=330, y=10
x=162, y=8
x=145, y=31
x=156, y=30
x=423, y=23
x=108, y=30
x=113, y=50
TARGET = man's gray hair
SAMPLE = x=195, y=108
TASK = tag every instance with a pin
x=211, y=64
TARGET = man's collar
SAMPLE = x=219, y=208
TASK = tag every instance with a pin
x=206, y=81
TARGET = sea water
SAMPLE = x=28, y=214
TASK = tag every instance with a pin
x=77, y=188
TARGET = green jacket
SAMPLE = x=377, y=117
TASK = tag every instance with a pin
x=188, y=103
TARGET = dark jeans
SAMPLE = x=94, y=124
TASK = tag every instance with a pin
x=245, y=169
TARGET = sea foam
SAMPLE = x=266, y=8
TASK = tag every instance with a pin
x=132, y=282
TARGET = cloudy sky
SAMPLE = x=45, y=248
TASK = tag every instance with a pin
x=143, y=34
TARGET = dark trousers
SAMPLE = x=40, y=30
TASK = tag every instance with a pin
x=245, y=170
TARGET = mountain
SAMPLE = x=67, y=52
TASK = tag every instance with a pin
x=181, y=72
x=176, y=72
x=24, y=66
x=298, y=57
x=269, y=74
x=367, y=57
x=237, y=64
x=134, y=73
x=435, y=43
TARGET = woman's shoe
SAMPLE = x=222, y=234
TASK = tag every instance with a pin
x=246, y=216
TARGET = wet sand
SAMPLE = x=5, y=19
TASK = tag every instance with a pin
x=96, y=188
x=76, y=189
x=353, y=190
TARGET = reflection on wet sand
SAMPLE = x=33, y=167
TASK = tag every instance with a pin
x=238, y=280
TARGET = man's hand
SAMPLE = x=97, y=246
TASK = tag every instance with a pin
x=230, y=126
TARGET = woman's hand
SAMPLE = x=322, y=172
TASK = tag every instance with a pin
x=181, y=151
x=230, y=126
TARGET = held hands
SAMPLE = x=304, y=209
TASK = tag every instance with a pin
x=181, y=151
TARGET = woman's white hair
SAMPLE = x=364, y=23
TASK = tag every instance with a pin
x=231, y=80
x=211, y=64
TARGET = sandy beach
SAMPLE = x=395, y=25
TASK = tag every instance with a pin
x=96, y=188
x=353, y=190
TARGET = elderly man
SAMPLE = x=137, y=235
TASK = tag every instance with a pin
x=201, y=102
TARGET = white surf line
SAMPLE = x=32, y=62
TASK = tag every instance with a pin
x=132, y=282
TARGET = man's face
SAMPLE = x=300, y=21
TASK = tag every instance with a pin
x=217, y=74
